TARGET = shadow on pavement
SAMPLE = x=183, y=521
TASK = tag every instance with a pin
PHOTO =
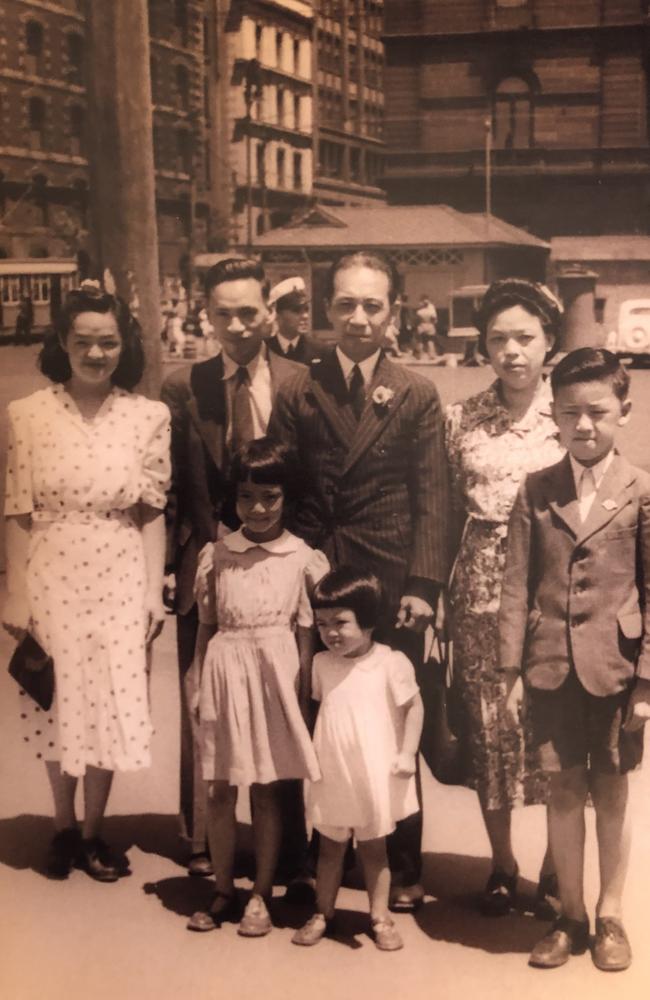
x=24, y=839
x=455, y=881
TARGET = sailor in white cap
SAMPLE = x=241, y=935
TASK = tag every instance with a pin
x=291, y=304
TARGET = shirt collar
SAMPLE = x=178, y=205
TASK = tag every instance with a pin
x=367, y=367
x=598, y=470
x=286, y=542
x=230, y=367
x=286, y=344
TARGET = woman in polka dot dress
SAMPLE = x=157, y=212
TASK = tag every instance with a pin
x=88, y=467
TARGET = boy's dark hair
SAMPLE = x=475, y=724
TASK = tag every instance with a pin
x=53, y=359
x=591, y=364
x=348, y=587
x=236, y=269
x=374, y=261
x=268, y=462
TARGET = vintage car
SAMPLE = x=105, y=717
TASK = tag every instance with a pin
x=631, y=339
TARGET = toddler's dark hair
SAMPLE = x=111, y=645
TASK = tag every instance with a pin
x=348, y=587
x=591, y=364
x=265, y=461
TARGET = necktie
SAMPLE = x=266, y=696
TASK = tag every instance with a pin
x=242, y=415
x=587, y=493
x=357, y=392
x=291, y=352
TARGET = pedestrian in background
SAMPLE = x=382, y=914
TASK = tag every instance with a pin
x=88, y=467
x=493, y=440
x=24, y=320
x=291, y=305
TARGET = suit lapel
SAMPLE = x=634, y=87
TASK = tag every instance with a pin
x=207, y=406
x=613, y=494
x=565, y=503
x=330, y=393
x=374, y=418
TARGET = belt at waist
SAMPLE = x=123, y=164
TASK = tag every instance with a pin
x=80, y=516
x=253, y=632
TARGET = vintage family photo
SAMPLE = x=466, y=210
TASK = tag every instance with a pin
x=325, y=548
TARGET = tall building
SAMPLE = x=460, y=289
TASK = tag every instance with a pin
x=44, y=176
x=349, y=102
x=559, y=90
x=260, y=101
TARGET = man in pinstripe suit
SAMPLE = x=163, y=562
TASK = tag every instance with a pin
x=370, y=441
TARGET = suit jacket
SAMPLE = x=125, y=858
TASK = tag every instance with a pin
x=306, y=351
x=196, y=398
x=578, y=594
x=375, y=491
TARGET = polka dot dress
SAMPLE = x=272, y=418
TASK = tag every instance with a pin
x=80, y=479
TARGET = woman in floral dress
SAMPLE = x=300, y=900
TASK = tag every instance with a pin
x=493, y=440
x=88, y=467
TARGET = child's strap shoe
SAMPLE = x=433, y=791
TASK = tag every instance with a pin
x=256, y=921
x=387, y=937
x=312, y=932
x=223, y=907
x=612, y=951
x=566, y=937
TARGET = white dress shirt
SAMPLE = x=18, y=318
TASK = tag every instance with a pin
x=367, y=367
x=259, y=390
x=588, y=485
x=286, y=344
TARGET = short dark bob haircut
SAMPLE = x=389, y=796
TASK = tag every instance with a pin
x=533, y=297
x=374, y=261
x=53, y=359
x=591, y=364
x=350, y=588
x=266, y=462
x=236, y=269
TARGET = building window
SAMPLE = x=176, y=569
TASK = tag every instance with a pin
x=153, y=73
x=258, y=42
x=279, y=106
x=75, y=57
x=183, y=151
x=513, y=117
x=296, y=112
x=36, y=114
x=181, y=22
x=34, y=48
x=330, y=159
x=297, y=171
x=279, y=43
x=281, y=158
x=260, y=164
x=296, y=57
x=512, y=3
x=77, y=122
x=182, y=88
x=355, y=165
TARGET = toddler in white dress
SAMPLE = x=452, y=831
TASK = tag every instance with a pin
x=366, y=740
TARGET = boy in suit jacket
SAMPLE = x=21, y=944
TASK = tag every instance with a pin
x=215, y=406
x=369, y=437
x=575, y=617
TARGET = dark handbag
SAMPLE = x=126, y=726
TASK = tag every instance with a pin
x=443, y=746
x=33, y=669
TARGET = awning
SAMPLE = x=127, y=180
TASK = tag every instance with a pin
x=38, y=265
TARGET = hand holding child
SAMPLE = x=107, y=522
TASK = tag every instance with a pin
x=514, y=694
x=638, y=712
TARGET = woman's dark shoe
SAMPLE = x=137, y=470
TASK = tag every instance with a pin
x=406, y=898
x=499, y=895
x=222, y=908
x=200, y=865
x=62, y=853
x=565, y=938
x=97, y=860
x=547, y=898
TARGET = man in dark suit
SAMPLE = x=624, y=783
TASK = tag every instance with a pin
x=216, y=406
x=370, y=441
x=289, y=299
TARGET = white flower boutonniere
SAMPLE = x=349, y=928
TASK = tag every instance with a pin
x=382, y=396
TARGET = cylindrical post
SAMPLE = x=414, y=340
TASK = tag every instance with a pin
x=488, y=167
x=122, y=188
x=577, y=288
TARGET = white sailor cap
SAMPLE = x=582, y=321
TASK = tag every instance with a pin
x=290, y=286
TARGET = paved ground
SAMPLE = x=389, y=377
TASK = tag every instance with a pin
x=80, y=940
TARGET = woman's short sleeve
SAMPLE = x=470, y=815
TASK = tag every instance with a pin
x=316, y=566
x=156, y=467
x=401, y=678
x=19, y=497
x=205, y=586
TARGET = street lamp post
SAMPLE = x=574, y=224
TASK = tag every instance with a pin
x=488, y=167
x=252, y=89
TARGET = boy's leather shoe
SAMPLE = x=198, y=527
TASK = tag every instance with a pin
x=200, y=865
x=566, y=937
x=612, y=951
x=406, y=899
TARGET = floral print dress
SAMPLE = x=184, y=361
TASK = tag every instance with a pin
x=489, y=455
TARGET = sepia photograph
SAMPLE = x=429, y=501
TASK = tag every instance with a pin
x=325, y=463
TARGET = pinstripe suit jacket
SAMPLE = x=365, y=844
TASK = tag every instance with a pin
x=376, y=490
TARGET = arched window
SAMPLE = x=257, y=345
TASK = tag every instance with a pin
x=77, y=126
x=513, y=118
x=183, y=151
x=36, y=115
x=34, y=47
x=182, y=88
x=75, y=56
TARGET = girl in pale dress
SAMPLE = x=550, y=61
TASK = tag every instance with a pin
x=366, y=739
x=493, y=440
x=254, y=652
x=88, y=466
